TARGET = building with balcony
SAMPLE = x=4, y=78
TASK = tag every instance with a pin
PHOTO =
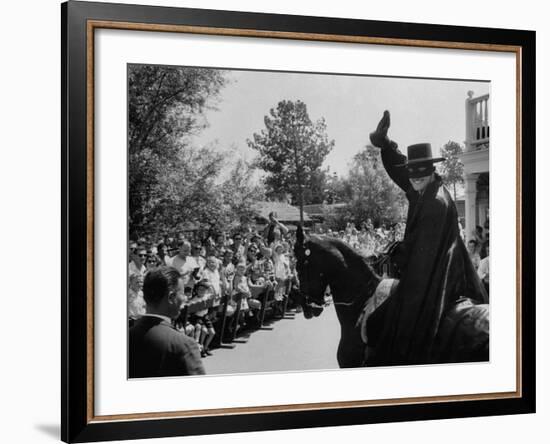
x=476, y=163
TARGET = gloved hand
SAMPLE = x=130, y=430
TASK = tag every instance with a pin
x=379, y=138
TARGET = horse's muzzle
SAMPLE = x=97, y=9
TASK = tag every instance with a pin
x=311, y=309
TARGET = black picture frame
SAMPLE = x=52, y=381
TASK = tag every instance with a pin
x=77, y=423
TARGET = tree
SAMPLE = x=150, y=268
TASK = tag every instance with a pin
x=291, y=150
x=373, y=194
x=315, y=192
x=165, y=106
x=452, y=168
x=185, y=194
x=337, y=190
x=240, y=193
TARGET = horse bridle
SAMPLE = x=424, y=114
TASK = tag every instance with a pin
x=304, y=286
x=305, y=291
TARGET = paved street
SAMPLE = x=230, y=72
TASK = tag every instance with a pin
x=292, y=343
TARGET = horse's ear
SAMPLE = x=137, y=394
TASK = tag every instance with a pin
x=300, y=238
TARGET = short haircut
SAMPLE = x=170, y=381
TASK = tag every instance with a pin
x=158, y=284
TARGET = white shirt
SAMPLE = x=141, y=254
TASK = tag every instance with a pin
x=215, y=280
x=184, y=266
x=280, y=262
x=133, y=269
x=199, y=260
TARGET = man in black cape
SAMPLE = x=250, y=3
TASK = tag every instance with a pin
x=436, y=270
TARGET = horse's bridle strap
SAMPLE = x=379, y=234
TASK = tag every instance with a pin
x=370, y=289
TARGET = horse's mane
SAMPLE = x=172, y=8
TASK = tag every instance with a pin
x=351, y=256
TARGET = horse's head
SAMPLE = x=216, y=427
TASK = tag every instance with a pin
x=311, y=274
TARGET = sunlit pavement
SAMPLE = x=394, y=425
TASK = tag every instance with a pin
x=292, y=343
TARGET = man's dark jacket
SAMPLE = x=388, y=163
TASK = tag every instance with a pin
x=158, y=349
x=436, y=271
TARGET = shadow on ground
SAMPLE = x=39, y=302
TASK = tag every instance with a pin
x=51, y=430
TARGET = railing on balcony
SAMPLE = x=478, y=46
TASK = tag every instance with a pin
x=477, y=122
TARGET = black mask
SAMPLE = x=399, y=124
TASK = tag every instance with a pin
x=420, y=170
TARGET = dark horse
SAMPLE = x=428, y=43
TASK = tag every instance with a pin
x=323, y=262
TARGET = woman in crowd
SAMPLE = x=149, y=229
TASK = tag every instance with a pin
x=152, y=261
x=162, y=254
x=136, y=303
x=212, y=274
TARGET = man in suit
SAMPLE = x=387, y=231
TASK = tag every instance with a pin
x=156, y=348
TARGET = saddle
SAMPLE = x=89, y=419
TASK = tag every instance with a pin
x=463, y=334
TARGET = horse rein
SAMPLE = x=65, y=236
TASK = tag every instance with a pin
x=305, y=291
x=354, y=301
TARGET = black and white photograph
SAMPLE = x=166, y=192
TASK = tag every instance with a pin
x=298, y=221
x=233, y=221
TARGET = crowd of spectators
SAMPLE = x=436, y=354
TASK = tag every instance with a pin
x=223, y=276
x=367, y=239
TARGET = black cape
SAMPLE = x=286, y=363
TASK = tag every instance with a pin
x=436, y=271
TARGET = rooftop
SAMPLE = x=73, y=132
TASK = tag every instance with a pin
x=285, y=212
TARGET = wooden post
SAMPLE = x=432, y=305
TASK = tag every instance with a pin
x=469, y=122
x=470, y=204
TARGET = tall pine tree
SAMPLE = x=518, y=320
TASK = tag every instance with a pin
x=291, y=150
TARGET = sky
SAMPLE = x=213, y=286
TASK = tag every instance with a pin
x=422, y=110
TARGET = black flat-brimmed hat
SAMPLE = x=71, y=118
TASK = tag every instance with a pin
x=420, y=153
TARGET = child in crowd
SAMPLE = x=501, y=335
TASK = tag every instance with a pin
x=259, y=289
x=227, y=273
x=203, y=327
x=281, y=268
x=183, y=325
x=241, y=289
x=212, y=274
